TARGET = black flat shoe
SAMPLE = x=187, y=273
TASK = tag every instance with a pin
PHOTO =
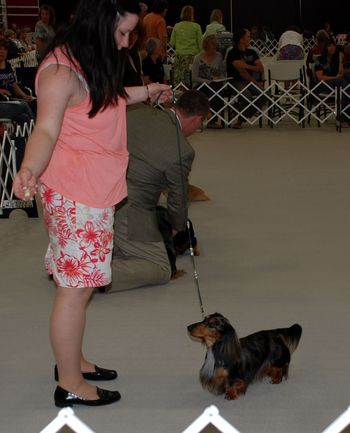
x=65, y=398
x=98, y=374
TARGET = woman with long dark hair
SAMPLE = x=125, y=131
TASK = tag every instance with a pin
x=329, y=70
x=244, y=66
x=77, y=158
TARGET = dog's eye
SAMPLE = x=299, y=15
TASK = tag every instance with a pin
x=213, y=324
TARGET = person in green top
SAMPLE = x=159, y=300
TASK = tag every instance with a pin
x=186, y=39
x=215, y=25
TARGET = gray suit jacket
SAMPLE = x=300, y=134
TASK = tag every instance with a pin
x=155, y=143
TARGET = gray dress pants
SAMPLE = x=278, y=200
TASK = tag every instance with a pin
x=136, y=264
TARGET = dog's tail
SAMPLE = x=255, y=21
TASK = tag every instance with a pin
x=291, y=336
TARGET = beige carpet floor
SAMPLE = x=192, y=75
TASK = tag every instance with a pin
x=275, y=250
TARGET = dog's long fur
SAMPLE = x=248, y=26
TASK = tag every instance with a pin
x=232, y=363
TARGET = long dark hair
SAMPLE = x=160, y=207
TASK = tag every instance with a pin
x=237, y=36
x=89, y=42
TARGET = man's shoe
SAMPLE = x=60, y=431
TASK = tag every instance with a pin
x=98, y=374
x=105, y=289
x=65, y=398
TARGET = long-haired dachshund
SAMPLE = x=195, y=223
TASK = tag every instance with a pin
x=232, y=363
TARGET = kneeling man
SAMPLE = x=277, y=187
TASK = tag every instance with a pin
x=156, y=139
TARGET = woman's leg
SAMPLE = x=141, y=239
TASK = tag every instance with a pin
x=66, y=331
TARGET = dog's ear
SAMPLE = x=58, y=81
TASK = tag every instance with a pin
x=228, y=345
x=220, y=323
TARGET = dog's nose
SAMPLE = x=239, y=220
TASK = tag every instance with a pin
x=190, y=327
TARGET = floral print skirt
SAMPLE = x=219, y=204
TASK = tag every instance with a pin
x=81, y=241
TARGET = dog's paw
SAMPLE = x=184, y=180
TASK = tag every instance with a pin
x=231, y=394
x=277, y=374
x=178, y=274
x=235, y=390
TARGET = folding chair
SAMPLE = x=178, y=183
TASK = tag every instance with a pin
x=286, y=80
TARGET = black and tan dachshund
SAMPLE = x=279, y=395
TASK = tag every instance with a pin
x=232, y=363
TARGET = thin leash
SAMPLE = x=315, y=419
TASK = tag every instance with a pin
x=188, y=226
x=184, y=195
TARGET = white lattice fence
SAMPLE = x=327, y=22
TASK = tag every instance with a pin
x=297, y=103
x=67, y=418
x=8, y=167
x=345, y=103
x=266, y=49
x=209, y=421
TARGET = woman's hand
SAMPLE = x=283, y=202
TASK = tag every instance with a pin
x=153, y=92
x=159, y=92
x=25, y=184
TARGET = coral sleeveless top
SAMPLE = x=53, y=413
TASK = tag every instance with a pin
x=90, y=158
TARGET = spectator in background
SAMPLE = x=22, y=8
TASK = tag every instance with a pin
x=15, y=48
x=322, y=38
x=215, y=24
x=186, y=39
x=244, y=66
x=266, y=34
x=23, y=40
x=20, y=111
x=308, y=34
x=155, y=25
x=14, y=27
x=44, y=29
x=8, y=81
x=327, y=27
x=141, y=39
x=208, y=67
x=152, y=65
x=330, y=69
x=133, y=66
x=254, y=33
x=347, y=52
x=290, y=45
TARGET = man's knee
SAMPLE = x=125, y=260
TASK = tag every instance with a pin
x=164, y=274
x=135, y=272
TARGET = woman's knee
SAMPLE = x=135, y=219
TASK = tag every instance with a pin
x=75, y=294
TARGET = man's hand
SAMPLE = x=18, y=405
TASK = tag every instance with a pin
x=5, y=92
